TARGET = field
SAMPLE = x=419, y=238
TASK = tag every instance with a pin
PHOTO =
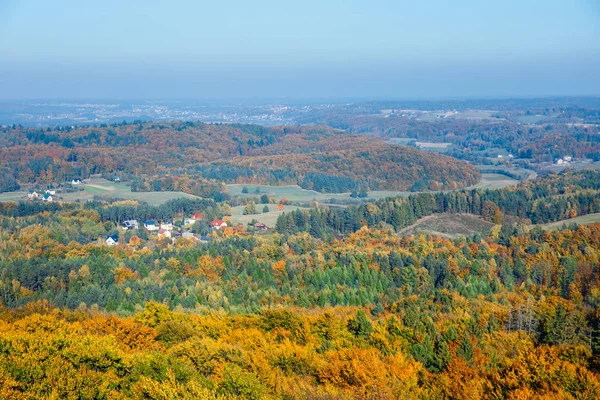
x=269, y=219
x=495, y=181
x=449, y=225
x=581, y=220
x=13, y=196
x=297, y=194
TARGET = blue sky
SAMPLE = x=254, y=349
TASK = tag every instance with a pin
x=298, y=49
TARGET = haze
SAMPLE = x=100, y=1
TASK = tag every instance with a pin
x=266, y=49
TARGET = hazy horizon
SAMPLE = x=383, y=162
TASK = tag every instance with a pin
x=265, y=50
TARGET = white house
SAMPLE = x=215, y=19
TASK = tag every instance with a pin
x=568, y=158
x=112, y=240
x=166, y=226
x=218, y=224
x=150, y=225
x=130, y=224
x=560, y=161
x=47, y=197
x=76, y=181
x=51, y=192
x=163, y=233
x=189, y=221
x=32, y=194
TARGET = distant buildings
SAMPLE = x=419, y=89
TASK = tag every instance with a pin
x=150, y=226
x=130, y=224
x=218, y=224
x=76, y=181
x=112, y=240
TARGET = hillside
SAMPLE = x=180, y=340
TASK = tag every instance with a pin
x=316, y=158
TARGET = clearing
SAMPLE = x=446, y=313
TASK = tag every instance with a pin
x=581, y=220
x=449, y=225
x=269, y=219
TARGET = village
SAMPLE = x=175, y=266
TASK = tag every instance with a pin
x=179, y=231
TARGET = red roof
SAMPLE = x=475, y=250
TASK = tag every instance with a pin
x=197, y=216
x=217, y=222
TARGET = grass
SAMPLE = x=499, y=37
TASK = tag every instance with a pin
x=297, y=194
x=269, y=219
x=13, y=196
x=494, y=181
x=449, y=225
x=581, y=220
x=104, y=188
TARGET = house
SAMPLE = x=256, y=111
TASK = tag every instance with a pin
x=218, y=224
x=167, y=226
x=197, y=216
x=189, y=221
x=560, y=161
x=51, y=192
x=32, y=194
x=47, y=197
x=112, y=240
x=130, y=224
x=150, y=226
x=260, y=226
x=117, y=179
x=163, y=233
x=76, y=181
x=188, y=235
x=568, y=158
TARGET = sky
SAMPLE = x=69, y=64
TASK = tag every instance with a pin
x=109, y=49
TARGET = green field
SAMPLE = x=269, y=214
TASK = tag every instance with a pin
x=449, y=225
x=581, y=220
x=268, y=219
x=13, y=196
x=494, y=181
x=104, y=188
x=297, y=194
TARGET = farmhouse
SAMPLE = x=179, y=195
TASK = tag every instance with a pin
x=218, y=224
x=189, y=221
x=51, y=192
x=260, y=226
x=76, y=181
x=197, y=216
x=112, y=240
x=32, y=194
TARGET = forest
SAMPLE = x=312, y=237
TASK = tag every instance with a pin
x=158, y=156
x=335, y=304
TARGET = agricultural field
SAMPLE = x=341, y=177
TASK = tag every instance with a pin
x=269, y=219
x=494, y=181
x=581, y=220
x=449, y=225
x=13, y=196
x=297, y=194
x=104, y=188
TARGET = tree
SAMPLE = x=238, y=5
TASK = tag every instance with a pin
x=265, y=209
x=245, y=190
x=250, y=208
x=264, y=199
x=360, y=325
